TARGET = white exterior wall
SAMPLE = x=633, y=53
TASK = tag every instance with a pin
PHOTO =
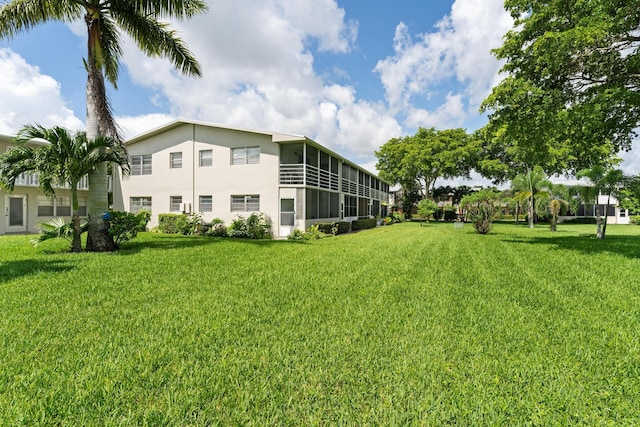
x=221, y=180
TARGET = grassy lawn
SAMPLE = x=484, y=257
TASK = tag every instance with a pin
x=397, y=325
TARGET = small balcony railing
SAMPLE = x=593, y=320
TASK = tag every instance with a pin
x=32, y=180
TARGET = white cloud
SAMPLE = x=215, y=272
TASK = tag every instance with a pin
x=258, y=72
x=135, y=125
x=29, y=97
x=458, y=51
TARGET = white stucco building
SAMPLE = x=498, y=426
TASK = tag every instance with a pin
x=222, y=172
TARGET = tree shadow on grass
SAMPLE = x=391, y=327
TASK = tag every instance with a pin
x=627, y=246
x=10, y=270
x=167, y=242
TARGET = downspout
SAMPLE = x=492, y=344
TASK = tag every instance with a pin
x=193, y=167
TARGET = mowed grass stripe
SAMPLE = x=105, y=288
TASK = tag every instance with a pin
x=397, y=325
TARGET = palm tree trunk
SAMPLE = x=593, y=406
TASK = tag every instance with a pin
x=606, y=213
x=98, y=238
x=532, y=210
x=76, y=243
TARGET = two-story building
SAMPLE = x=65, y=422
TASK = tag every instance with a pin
x=221, y=172
x=27, y=206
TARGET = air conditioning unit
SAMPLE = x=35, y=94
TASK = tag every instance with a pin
x=185, y=207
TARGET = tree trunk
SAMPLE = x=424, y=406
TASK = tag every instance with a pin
x=517, y=211
x=532, y=209
x=76, y=243
x=606, y=213
x=98, y=238
x=599, y=234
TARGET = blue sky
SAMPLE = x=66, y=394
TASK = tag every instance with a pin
x=350, y=74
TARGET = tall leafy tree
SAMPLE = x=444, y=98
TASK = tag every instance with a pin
x=65, y=159
x=415, y=162
x=571, y=97
x=105, y=21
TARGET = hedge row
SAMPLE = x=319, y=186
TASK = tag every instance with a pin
x=363, y=224
x=581, y=220
x=328, y=227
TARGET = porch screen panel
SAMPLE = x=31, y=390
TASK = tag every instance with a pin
x=300, y=203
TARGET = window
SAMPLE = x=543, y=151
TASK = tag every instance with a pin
x=141, y=165
x=174, y=203
x=206, y=204
x=45, y=206
x=63, y=206
x=57, y=206
x=82, y=206
x=136, y=204
x=206, y=158
x=176, y=160
x=245, y=156
x=245, y=203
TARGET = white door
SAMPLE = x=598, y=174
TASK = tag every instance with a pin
x=16, y=213
x=287, y=216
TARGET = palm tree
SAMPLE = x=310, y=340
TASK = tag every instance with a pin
x=558, y=195
x=528, y=187
x=104, y=19
x=65, y=160
x=604, y=181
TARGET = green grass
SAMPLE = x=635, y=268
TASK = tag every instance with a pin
x=397, y=325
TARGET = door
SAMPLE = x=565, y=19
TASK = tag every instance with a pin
x=287, y=216
x=16, y=213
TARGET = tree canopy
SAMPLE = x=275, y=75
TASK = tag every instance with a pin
x=415, y=162
x=571, y=96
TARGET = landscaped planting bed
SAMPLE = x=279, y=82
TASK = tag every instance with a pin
x=396, y=325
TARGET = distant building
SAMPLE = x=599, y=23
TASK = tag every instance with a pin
x=27, y=206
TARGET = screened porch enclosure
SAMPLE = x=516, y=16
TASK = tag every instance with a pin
x=334, y=188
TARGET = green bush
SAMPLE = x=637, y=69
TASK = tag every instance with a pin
x=363, y=224
x=172, y=223
x=481, y=209
x=256, y=226
x=634, y=220
x=193, y=225
x=334, y=228
x=124, y=226
x=216, y=228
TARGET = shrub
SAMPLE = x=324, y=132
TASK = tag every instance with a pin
x=124, y=226
x=397, y=217
x=481, y=208
x=634, y=220
x=57, y=228
x=217, y=228
x=193, y=225
x=363, y=224
x=387, y=221
x=172, y=223
x=313, y=233
x=334, y=228
x=256, y=226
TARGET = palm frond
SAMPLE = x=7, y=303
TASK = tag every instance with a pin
x=155, y=38
x=22, y=15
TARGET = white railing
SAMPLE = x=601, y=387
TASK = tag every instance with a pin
x=31, y=180
x=292, y=174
